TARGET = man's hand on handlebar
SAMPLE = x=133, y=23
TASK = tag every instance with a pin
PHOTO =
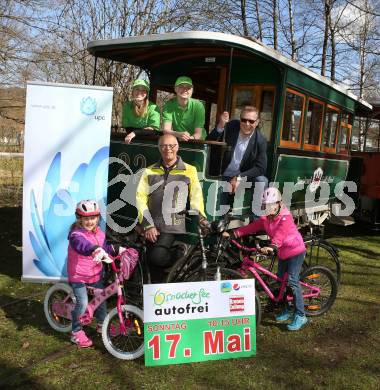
x=151, y=234
x=205, y=225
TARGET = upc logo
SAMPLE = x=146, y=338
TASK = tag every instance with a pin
x=88, y=106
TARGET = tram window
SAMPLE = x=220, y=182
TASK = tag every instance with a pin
x=346, y=120
x=213, y=113
x=260, y=96
x=162, y=97
x=242, y=97
x=266, y=112
x=293, y=116
x=372, y=139
x=314, y=120
x=358, y=131
x=346, y=117
x=344, y=138
x=331, y=129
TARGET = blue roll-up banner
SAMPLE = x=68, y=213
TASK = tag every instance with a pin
x=66, y=151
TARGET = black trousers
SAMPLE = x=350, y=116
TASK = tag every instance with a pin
x=228, y=199
x=160, y=256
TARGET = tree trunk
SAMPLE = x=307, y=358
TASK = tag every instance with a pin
x=327, y=14
x=362, y=54
x=333, y=54
x=291, y=28
x=243, y=8
x=275, y=22
x=258, y=19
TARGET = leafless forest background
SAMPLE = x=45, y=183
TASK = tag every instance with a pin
x=46, y=40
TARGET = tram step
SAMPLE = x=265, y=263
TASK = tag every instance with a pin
x=341, y=221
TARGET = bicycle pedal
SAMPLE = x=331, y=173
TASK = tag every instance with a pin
x=313, y=307
x=85, y=319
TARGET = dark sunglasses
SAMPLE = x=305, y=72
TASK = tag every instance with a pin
x=246, y=120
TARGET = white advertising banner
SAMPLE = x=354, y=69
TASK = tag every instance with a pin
x=198, y=321
x=66, y=151
x=198, y=300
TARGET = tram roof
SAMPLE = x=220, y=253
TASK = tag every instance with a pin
x=146, y=51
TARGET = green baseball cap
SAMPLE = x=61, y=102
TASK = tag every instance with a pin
x=183, y=80
x=142, y=83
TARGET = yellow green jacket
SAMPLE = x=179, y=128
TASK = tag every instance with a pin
x=163, y=193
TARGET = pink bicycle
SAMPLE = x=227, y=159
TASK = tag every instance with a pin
x=318, y=283
x=122, y=331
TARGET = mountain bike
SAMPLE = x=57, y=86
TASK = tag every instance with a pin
x=220, y=252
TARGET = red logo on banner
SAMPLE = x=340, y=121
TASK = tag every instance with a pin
x=236, y=304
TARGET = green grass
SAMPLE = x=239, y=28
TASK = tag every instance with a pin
x=339, y=350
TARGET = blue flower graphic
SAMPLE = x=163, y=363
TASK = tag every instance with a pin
x=51, y=226
x=88, y=106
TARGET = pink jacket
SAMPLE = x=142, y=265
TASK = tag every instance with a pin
x=80, y=266
x=282, y=231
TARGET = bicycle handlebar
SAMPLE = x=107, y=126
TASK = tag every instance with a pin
x=113, y=265
x=243, y=247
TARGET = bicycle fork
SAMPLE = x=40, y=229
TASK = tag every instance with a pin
x=128, y=323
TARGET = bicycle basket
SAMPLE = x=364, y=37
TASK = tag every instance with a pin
x=128, y=260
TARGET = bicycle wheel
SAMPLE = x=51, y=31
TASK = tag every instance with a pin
x=185, y=267
x=131, y=345
x=323, y=253
x=58, y=303
x=225, y=274
x=322, y=277
x=186, y=264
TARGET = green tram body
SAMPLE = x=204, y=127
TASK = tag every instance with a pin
x=229, y=72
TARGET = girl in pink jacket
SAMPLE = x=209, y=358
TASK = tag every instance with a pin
x=287, y=241
x=87, y=249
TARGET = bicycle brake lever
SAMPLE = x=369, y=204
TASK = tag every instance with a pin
x=107, y=260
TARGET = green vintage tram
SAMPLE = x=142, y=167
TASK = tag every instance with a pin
x=306, y=118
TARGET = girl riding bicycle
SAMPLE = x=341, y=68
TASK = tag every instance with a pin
x=287, y=241
x=86, y=251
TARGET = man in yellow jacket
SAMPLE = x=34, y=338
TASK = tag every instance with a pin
x=161, y=199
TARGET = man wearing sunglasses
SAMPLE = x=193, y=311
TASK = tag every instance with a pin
x=163, y=192
x=246, y=155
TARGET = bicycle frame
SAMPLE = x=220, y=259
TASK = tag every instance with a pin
x=64, y=309
x=253, y=267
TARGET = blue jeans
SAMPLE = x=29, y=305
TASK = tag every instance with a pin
x=80, y=293
x=293, y=267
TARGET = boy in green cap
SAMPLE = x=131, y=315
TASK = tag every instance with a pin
x=139, y=114
x=183, y=116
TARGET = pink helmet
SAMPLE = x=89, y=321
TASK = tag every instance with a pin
x=87, y=208
x=271, y=195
